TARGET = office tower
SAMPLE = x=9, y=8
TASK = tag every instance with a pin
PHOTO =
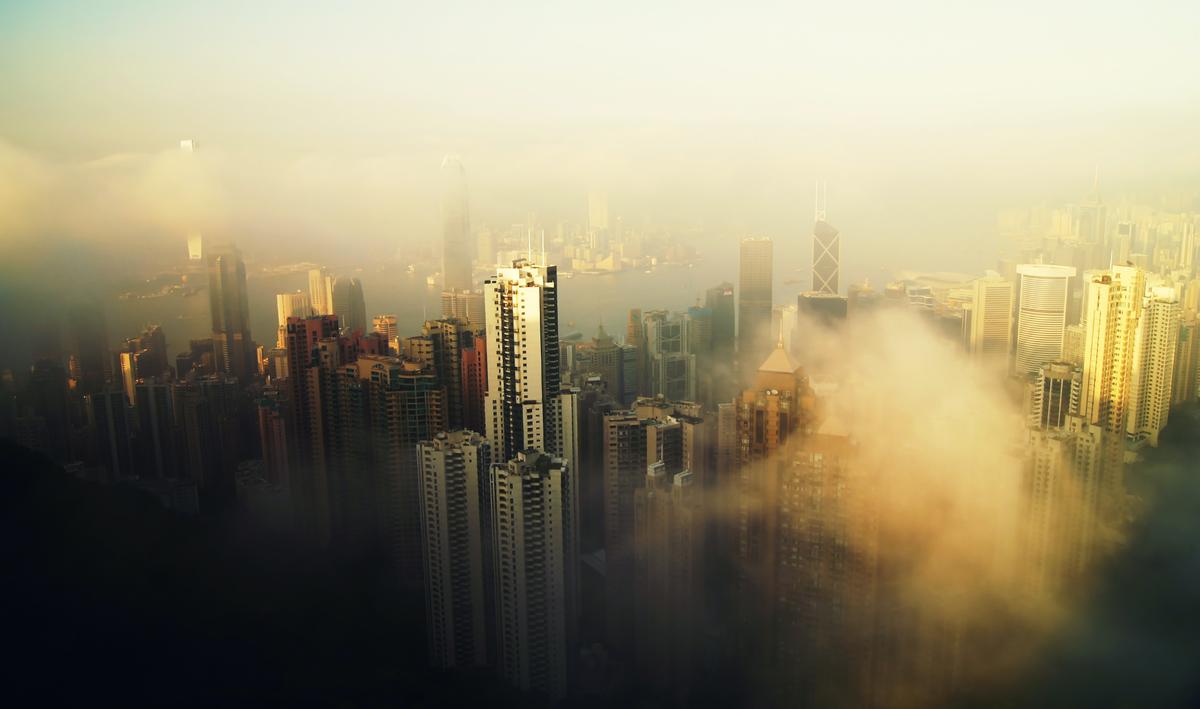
x=827, y=251
x=719, y=300
x=485, y=247
x=457, y=248
x=273, y=435
x=291, y=305
x=456, y=547
x=826, y=309
x=108, y=421
x=532, y=501
x=348, y=304
x=755, y=274
x=233, y=349
x=522, y=402
x=1042, y=314
x=155, y=430
x=1152, y=369
x=465, y=305
x=667, y=357
x=668, y=577
x=150, y=353
x=991, y=318
x=89, y=338
x=320, y=291
x=1054, y=395
x=633, y=338
x=597, y=211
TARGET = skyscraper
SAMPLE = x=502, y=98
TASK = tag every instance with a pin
x=524, y=380
x=755, y=274
x=292, y=305
x=827, y=251
x=233, y=348
x=532, y=506
x=89, y=339
x=456, y=508
x=1152, y=374
x=1042, y=314
x=348, y=304
x=991, y=318
x=457, y=249
x=320, y=291
x=385, y=325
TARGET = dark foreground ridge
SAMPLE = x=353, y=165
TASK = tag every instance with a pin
x=110, y=599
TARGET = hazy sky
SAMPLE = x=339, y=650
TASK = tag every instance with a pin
x=324, y=121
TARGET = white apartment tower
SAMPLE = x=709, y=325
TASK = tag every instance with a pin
x=455, y=520
x=531, y=504
x=1153, y=366
x=522, y=404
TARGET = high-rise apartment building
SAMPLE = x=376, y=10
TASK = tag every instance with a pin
x=464, y=305
x=292, y=305
x=386, y=326
x=533, y=507
x=522, y=404
x=456, y=531
x=1152, y=374
x=1042, y=314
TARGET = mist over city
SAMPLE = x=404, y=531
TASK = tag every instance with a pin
x=652, y=354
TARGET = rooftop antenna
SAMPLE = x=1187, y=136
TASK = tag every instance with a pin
x=529, y=244
x=543, y=261
x=820, y=200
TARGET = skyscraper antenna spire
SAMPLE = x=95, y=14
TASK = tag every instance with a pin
x=543, y=261
x=820, y=199
x=529, y=244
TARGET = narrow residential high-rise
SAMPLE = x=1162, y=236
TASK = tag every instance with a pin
x=386, y=326
x=533, y=508
x=522, y=404
x=456, y=530
x=755, y=276
x=1152, y=374
x=457, y=249
x=532, y=425
x=1042, y=314
x=229, y=304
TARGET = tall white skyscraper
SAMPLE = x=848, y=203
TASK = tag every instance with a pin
x=522, y=404
x=1153, y=367
x=320, y=291
x=532, y=424
x=991, y=318
x=456, y=533
x=1042, y=316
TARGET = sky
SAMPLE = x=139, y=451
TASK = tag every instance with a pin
x=322, y=125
